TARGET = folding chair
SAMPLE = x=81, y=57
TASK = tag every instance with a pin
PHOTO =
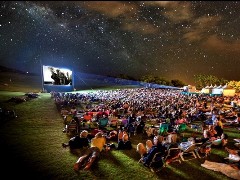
x=72, y=128
x=163, y=129
x=190, y=150
x=173, y=155
x=181, y=128
x=157, y=162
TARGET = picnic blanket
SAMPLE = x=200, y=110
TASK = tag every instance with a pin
x=223, y=168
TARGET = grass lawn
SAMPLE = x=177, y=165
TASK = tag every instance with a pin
x=31, y=149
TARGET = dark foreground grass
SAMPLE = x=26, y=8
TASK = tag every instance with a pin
x=31, y=149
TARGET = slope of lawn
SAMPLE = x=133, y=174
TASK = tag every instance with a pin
x=31, y=149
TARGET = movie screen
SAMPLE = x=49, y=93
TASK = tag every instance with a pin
x=56, y=76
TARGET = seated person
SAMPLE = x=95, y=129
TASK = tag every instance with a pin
x=234, y=155
x=98, y=143
x=73, y=110
x=218, y=128
x=124, y=143
x=121, y=133
x=236, y=121
x=151, y=131
x=131, y=129
x=103, y=122
x=140, y=127
x=87, y=117
x=78, y=142
x=146, y=157
x=149, y=145
x=206, y=136
x=112, y=135
x=220, y=142
x=212, y=131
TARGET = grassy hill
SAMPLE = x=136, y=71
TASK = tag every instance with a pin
x=31, y=149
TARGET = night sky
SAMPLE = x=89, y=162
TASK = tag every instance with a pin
x=170, y=39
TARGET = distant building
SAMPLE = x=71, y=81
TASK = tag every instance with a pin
x=219, y=90
x=189, y=89
x=228, y=91
x=206, y=90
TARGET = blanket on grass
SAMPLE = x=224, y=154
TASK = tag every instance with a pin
x=223, y=168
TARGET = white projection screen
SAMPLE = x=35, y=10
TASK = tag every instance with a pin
x=57, y=76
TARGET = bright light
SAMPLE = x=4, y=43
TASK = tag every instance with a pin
x=57, y=76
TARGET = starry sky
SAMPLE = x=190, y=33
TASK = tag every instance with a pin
x=170, y=39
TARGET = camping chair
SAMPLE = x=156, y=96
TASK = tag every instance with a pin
x=181, y=128
x=67, y=119
x=72, y=128
x=173, y=155
x=157, y=162
x=190, y=150
x=163, y=129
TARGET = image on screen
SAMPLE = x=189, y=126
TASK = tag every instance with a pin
x=56, y=76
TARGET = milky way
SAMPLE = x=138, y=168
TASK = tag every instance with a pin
x=170, y=39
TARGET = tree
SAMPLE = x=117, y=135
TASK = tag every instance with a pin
x=235, y=85
x=202, y=80
x=177, y=83
x=147, y=78
x=161, y=81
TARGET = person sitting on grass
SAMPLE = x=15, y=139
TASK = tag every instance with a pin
x=220, y=142
x=234, y=155
x=78, y=141
x=124, y=143
x=121, y=132
x=113, y=136
x=98, y=143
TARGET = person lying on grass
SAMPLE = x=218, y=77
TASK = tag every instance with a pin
x=98, y=143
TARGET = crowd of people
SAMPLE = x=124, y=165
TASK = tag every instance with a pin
x=139, y=107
